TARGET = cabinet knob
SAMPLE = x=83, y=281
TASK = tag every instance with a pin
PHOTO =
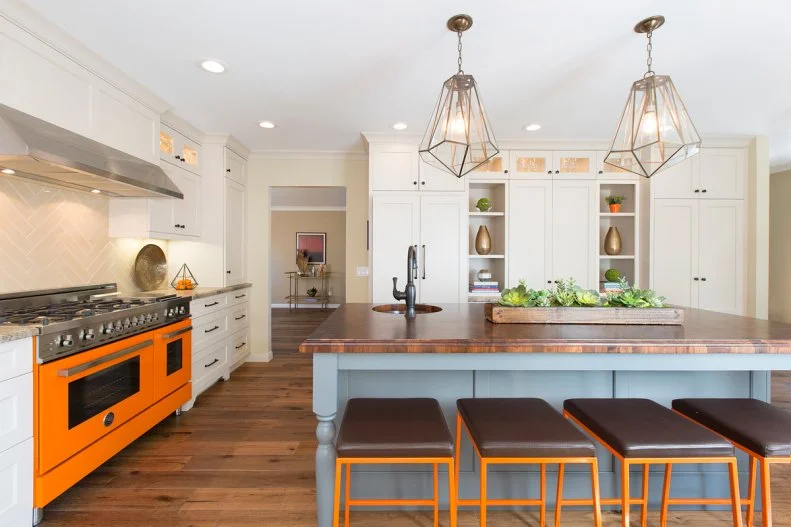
x=557, y=171
x=228, y=271
x=414, y=182
x=228, y=170
x=549, y=281
x=422, y=182
x=696, y=278
x=704, y=190
x=601, y=171
x=703, y=279
x=697, y=190
x=505, y=171
x=549, y=172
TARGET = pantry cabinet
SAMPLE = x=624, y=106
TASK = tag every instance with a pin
x=235, y=210
x=435, y=223
x=715, y=173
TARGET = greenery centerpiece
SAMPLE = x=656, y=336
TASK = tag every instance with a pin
x=568, y=294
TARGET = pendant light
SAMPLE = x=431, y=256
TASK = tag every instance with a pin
x=458, y=138
x=655, y=131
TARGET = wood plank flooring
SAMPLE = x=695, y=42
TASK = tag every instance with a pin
x=243, y=457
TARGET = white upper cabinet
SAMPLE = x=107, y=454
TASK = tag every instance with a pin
x=235, y=167
x=546, y=164
x=432, y=178
x=393, y=167
x=574, y=232
x=530, y=164
x=178, y=149
x=235, y=204
x=610, y=172
x=497, y=167
x=574, y=165
x=715, y=173
x=677, y=181
x=530, y=233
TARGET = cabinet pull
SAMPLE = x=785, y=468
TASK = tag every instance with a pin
x=601, y=171
x=212, y=363
x=557, y=171
x=239, y=317
x=549, y=281
x=212, y=304
x=414, y=182
x=424, y=261
x=102, y=360
x=704, y=190
x=549, y=172
x=228, y=170
x=505, y=171
x=696, y=278
x=422, y=182
x=697, y=190
x=367, y=235
x=703, y=279
x=240, y=296
x=215, y=328
x=228, y=271
x=243, y=344
x=176, y=333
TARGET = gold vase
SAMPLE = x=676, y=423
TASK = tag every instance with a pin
x=483, y=242
x=612, y=241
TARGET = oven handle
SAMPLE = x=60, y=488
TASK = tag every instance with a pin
x=176, y=333
x=107, y=358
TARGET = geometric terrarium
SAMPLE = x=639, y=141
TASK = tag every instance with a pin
x=184, y=279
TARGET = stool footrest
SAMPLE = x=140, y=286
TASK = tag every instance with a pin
x=603, y=501
x=700, y=501
x=477, y=503
x=377, y=503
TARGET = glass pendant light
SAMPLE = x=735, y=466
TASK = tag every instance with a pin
x=458, y=138
x=655, y=131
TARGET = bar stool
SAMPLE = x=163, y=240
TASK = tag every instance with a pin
x=522, y=431
x=397, y=431
x=757, y=428
x=642, y=432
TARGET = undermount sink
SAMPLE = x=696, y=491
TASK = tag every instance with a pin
x=400, y=309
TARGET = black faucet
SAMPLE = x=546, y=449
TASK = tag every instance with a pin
x=410, y=293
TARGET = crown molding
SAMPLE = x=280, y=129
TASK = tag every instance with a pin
x=229, y=141
x=183, y=127
x=306, y=154
x=21, y=15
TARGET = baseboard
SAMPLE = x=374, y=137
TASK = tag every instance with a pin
x=260, y=357
x=305, y=306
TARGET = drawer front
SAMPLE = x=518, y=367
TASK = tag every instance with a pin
x=16, y=358
x=210, y=304
x=240, y=345
x=210, y=364
x=239, y=297
x=238, y=318
x=209, y=329
x=16, y=485
x=16, y=411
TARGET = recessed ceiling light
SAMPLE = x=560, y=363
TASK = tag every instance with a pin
x=96, y=191
x=212, y=66
x=533, y=127
x=399, y=126
x=8, y=171
x=266, y=124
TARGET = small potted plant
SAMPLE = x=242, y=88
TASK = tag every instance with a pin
x=312, y=292
x=484, y=205
x=615, y=202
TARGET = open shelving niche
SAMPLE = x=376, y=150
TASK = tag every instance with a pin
x=496, y=222
x=628, y=262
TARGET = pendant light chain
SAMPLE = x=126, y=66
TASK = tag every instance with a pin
x=649, y=61
x=461, y=71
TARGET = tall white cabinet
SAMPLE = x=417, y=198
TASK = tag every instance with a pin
x=698, y=232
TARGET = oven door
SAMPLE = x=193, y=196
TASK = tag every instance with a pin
x=172, y=358
x=87, y=395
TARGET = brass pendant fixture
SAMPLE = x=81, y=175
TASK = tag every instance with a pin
x=655, y=131
x=459, y=137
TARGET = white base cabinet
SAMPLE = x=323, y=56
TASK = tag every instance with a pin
x=220, y=325
x=16, y=432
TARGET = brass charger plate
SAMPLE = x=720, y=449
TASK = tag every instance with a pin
x=151, y=267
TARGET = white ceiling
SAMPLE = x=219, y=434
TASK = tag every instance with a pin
x=324, y=71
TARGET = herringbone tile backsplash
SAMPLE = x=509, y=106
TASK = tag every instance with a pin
x=52, y=237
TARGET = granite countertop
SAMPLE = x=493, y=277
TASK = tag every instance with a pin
x=463, y=328
x=9, y=333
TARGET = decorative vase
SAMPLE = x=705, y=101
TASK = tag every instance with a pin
x=612, y=241
x=483, y=242
x=484, y=274
x=615, y=207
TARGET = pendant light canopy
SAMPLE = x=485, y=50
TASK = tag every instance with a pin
x=655, y=131
x=459, y=137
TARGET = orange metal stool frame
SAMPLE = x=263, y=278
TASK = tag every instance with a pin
x=626, y=501
x=541, y=501
x=766, y=481
x=347, y=462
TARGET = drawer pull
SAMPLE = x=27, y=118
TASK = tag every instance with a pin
x=176, y=333
x=240, y=296
x=242, y=345
x=212, y=363
x=239, y=317
x=215, y=328
x=210, y=305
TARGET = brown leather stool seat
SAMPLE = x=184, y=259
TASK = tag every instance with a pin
x=756, y=425
x=522, y=428
x=644, y=428
x=394, y=428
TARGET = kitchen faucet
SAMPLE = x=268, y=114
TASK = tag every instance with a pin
x=410, y=293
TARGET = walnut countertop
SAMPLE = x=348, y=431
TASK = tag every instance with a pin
x=463, y=328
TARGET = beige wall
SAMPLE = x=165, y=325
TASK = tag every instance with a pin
x=285, y=226
x=321, y=171
x=52, y=237
x=780, y=247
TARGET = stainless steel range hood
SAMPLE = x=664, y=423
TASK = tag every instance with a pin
x=38, y=150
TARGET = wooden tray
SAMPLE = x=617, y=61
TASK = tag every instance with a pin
x=661, y=316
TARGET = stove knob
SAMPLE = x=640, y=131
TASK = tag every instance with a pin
x=118, y=325
x=68, y=340
x=171, y=312
x=134, y=321
x=181, y=310
x=108, y=329
x=156, y=317
x=127, y=323
x=148, y=317
x=87, y=334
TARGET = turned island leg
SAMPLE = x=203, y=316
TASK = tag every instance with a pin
x=325, y=407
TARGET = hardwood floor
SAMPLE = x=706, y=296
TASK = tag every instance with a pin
x=289, y=328
x=244, y=455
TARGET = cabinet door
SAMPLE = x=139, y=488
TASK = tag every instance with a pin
x=235, y=203
x=574, y=231
x=610, y=172
x=235, y=167
x=393, y=167
x=16, y=481
x=190, y=155
x=432, y=178
x=187, y=211
x=677, y=181
x=674, y=250
x=395, y=226
x=576, y=165
x=721, y=256
x=495, y=168
x=442, y=252
x=530, y=164
x=722, y=173
x=161, y=214
x=530, y=233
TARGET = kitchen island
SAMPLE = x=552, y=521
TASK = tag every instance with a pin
x=456, y=353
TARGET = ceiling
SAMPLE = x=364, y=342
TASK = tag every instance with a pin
x=325, y=71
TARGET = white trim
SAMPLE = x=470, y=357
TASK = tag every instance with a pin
x=307, y=154
x=307, y=208
x=229, y=141
x=260, y=357
x=303, y=306
x=182, y=126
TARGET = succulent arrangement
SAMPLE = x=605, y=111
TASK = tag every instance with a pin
x=614, y=199
x=568, y=294
x=312, y=291
x=484, y=204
